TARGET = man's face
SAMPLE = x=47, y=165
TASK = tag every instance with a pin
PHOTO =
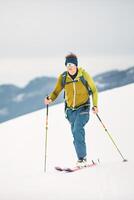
x=71, y=68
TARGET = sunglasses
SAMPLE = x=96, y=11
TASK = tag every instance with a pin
x=70, y=65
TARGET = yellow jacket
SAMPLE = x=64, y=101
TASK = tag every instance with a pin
x=76, y=93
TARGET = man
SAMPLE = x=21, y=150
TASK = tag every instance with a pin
x=78, y=87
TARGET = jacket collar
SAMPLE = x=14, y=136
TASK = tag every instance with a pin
x=80, y=70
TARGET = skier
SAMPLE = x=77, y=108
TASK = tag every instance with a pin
x=78, y=87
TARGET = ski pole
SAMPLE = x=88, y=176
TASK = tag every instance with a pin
x=124, y=160
x=46, y=134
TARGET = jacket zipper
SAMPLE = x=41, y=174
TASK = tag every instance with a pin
x=74, y=98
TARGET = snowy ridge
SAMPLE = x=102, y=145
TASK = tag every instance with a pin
x=22, y=154
x=15, y=101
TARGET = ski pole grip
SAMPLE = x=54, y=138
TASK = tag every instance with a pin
x=47, y=104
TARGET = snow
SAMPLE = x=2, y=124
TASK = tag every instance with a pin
x=22, y=154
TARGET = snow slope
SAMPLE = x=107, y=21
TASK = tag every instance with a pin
x=22, y=154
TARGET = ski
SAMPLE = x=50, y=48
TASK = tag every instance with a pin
x=76, y=168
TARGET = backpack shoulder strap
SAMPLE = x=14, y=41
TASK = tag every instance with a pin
x=64, y=75
x=84, y=81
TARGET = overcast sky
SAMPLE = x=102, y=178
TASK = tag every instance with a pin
x=32, y=29
x=45, y=27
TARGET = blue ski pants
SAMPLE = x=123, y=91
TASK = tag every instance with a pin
x=78, y=119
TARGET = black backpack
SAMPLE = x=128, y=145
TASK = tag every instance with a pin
x=82, y=79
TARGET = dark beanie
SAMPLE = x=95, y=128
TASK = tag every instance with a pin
x=71, y=60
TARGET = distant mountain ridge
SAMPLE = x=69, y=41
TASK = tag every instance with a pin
x=114, y=78
x=16, y=101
